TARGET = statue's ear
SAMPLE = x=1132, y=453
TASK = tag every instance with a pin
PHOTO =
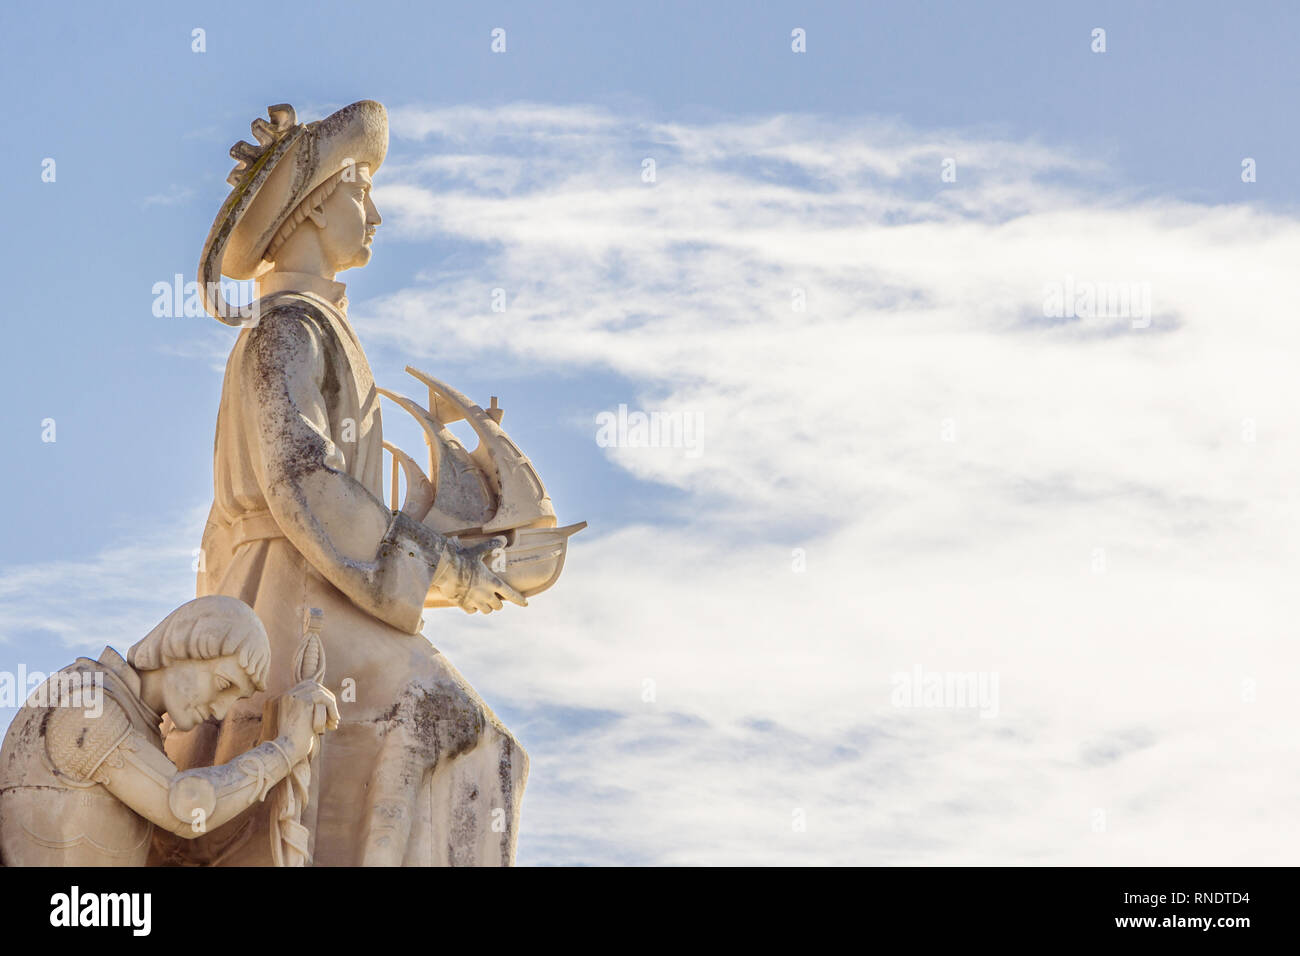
x=317, y=216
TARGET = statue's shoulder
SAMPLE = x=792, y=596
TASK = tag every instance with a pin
x=290, y=324
x=282, y=308
x=78, y=740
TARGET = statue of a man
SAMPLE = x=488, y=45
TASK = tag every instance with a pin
x=420, y=772
x=83, y=776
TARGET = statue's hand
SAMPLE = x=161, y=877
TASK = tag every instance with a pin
x=481, y=589
x=305, y=711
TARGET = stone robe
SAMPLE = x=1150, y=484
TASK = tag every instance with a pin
x=420, y=771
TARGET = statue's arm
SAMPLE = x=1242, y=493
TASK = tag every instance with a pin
x=106, y=750
x=191, y=803
x=384, y=563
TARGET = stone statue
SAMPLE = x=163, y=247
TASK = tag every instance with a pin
x=84, y=780
x=420, y=771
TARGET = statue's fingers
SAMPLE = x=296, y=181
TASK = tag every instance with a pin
x=487, y=547
x=509, y=593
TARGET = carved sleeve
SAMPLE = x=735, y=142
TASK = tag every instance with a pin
x=381, y=561
x=190, y=804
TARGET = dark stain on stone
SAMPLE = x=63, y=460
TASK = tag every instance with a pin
x=280, y=339
x=506, y=779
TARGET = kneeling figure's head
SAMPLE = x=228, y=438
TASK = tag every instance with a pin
x=203, y=657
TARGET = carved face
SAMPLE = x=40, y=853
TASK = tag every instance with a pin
x=350, y=222
x=193, y=691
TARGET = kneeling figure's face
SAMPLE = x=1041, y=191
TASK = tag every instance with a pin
x=193, y=691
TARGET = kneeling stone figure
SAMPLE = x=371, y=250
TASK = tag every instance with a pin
x=84, y=780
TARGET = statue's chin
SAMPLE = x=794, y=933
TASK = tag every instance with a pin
x=357, y=261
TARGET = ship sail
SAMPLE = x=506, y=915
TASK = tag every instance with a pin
x=475, y=495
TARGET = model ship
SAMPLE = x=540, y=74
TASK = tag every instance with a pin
x=477, y=495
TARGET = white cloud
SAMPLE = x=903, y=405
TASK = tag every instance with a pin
x=173, y=195
x=824, y=431
x=113, y=597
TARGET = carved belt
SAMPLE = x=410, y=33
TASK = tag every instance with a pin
x=253, y=526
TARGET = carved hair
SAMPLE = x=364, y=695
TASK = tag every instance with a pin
x=203, y=630
x=303, y=210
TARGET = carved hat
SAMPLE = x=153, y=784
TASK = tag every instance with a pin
x=289, y=162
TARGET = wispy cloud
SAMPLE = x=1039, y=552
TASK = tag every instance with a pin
x=1095, y=511
x=172, y=196
x=113, y=597
x=211, y=347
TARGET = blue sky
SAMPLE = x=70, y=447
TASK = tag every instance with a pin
x=775, y=171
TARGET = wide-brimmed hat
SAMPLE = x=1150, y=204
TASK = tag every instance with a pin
x=270, y=179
